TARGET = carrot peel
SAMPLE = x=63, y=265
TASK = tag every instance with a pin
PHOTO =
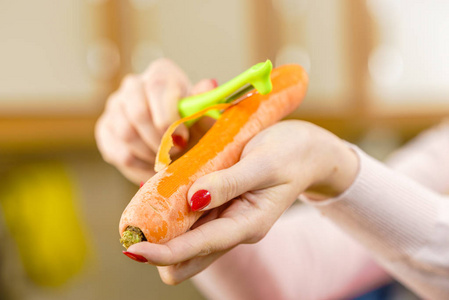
x=163, y=154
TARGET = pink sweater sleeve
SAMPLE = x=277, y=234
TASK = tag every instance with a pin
x=403, y=223
x=426, y=159
x=304, y=256
x=400, y=222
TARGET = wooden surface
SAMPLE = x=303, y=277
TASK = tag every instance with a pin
x=40, y=134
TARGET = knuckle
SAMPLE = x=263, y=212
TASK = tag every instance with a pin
x=136, y=114
x=256, y=230
x=229, y=185
x=113, y=101
x=99, y=128
x=169, y=275
x=160, y=125
x=257, y=237
x=107, y=157
x=168, y=279
x=154, y=83
x=267, y=173
x=140, y=115
x=205, y=251
x=130, y=80
x=126, y=133
x=206, y=248
x=273, y=169
x=125, y=159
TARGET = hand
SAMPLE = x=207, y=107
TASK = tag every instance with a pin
x=276, y=166
x=130, y=129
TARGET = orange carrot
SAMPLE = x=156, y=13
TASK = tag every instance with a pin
x=163, y=154
x=160, y=211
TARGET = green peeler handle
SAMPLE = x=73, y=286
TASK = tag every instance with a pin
x=258, y=76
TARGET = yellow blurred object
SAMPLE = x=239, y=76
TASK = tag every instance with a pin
x=38, y=203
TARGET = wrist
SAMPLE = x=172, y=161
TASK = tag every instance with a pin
x=336, y=171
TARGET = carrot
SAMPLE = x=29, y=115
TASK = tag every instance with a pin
x=163, y=153
x=160, y=210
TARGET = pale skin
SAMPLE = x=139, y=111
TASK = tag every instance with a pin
x=136, y=116
x=276, y=166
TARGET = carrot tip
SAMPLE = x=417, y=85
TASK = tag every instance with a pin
x=132, y=235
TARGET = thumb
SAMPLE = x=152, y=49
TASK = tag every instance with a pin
x=217, y=188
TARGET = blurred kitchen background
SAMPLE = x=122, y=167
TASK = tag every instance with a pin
x=379, y=74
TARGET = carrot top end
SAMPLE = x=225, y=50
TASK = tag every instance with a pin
x=132, y=235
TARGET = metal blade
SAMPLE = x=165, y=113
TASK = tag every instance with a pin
x=239, y=93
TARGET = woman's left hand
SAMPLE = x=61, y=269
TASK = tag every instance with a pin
x=276, y=166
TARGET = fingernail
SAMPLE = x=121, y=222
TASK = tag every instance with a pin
x=200, y=200
x=179, y=141
x=141, y=184
x=214, y=82
x=136, y=257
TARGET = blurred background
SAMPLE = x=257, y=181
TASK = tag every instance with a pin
x=379, y=74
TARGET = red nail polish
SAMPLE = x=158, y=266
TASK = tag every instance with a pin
x=200, y=200
x=141, y=184
x=136, y=257
x=179, y=141
x=214, y=82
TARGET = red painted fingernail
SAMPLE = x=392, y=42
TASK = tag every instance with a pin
x=214, y=82
x=200, y=200
x=179, y=141
x=136, y=257
x=141, y=184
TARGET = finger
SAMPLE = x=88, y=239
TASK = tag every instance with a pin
x=165, y=84
x=119, y=153
x=176, y=274
x=137, y=111
x=136, y=172
x=127, y=135
x=216, y=188
x=203, y=86
x=116, y=153
x=208, y=216
x=201, y=241
x=246, y=221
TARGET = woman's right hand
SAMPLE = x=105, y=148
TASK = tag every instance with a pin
x=136, y=116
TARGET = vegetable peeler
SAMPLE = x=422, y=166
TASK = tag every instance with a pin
x=257, y=77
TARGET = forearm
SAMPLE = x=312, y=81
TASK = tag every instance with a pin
x=400, y=221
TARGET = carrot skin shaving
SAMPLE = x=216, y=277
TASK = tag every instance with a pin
x=163, y=154
x=160, y=208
